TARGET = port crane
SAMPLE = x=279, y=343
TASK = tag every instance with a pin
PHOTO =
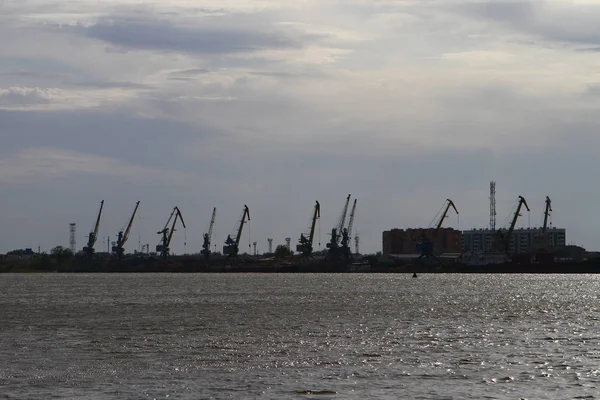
x=122, y=237
x=231, y=247
x=504, y=237
x=336, y=233
x=541, y=239
x=347, y=234
x=427, y=245
x=208, y=236
x=167, y=234
x=547, y=212
x=449, y=203
x=340, y=225
x=89, y=249
x=306, y=244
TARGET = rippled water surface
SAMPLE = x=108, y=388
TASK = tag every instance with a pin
x=204, y=336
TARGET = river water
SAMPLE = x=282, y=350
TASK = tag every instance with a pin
x=299, y=336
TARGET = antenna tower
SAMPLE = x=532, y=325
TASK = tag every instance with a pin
x=493, y=206
x=72, y=242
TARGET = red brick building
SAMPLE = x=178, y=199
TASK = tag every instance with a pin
x=405, y=241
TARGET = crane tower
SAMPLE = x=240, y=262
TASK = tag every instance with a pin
x=493, y=206
x=72, y=240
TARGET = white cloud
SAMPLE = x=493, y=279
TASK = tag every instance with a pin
x=34, y=98
x=27, y=95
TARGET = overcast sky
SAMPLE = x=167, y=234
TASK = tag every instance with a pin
x=277, y=104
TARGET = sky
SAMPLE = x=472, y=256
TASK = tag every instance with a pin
x=272, y=104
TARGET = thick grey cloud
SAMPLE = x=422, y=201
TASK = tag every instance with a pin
x=550, y=20
x=214, y=37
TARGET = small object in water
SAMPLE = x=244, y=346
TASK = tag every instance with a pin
x=414, y=274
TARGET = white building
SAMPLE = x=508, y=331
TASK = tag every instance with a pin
x=521, y=241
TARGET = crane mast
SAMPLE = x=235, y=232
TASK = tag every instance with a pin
x=89, y=249
x=231, y=247
x=208, y=236
x=167, y=234
x=547, y=213
x=305, y=246
x=122, y=237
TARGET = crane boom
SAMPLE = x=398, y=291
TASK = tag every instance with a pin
x=123, y=236
x=522, y=202
x=506, y=237
x=164, y=230
x=126, y=234
x=239, y=233
x=212, y=223
x=167, y=233
x=351, y=221
x=316, y=216
x=547, y=213
x=449, y=203
x=89, y=249
x=96, y=227
x=342, y=220
x=305, y=246
x=231, y=247
x=178, y=214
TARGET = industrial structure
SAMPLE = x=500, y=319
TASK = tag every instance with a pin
x=493, y=206
x=118, y=247
x=305, y=246
x=428, y=244
x=543, y=244
x=231, y=248
x=339, y=243
x=410, y=241
x=522, y=240
x=89, y=249
x=167, y=233
x=72, y=237
x=516, y=240
x=509, y=243
x=425, y=243
x=347, y=235
x=207, y=237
